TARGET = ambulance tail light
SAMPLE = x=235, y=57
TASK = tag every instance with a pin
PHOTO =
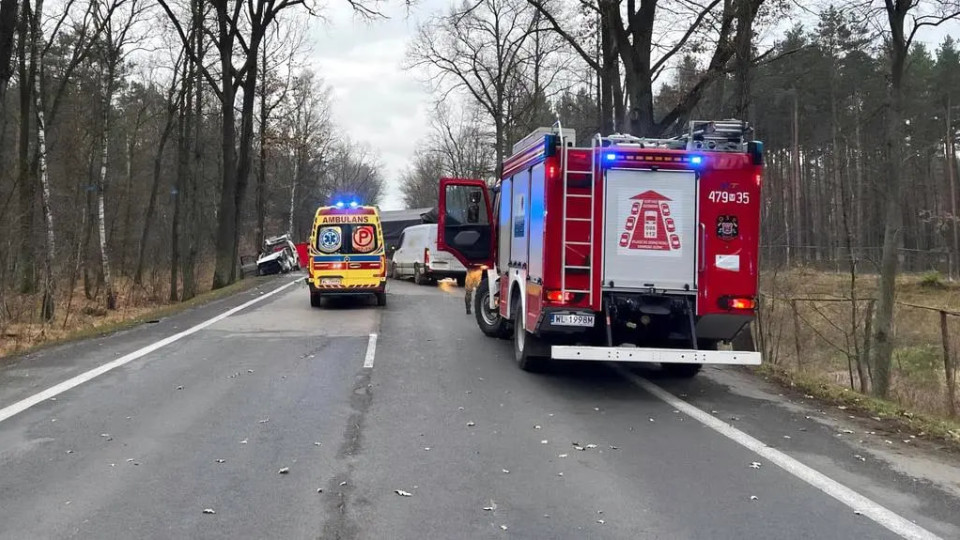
x=426, y=256
x=558, y=297
x=738, y=303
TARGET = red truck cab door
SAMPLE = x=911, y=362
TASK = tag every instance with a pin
x=465, y=227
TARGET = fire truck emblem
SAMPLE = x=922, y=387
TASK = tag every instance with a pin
x=728, y=227
x=649, y=225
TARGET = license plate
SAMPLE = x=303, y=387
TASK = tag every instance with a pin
x=562, y=319
x=330, y=281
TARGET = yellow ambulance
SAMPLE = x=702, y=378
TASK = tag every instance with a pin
x=347, y=255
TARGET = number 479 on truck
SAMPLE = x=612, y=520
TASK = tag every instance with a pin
x=629, y=250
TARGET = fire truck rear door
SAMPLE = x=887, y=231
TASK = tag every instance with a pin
x=650, y=230
x=464, y=228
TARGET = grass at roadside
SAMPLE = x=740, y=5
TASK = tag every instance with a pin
x=893, y=418
x=36, y=335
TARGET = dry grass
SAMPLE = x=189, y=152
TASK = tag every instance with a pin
x=814, y=338
x=78, y=317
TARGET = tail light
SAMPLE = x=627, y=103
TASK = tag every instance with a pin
x=558, y=297
x=426, y=256
x=738, y=303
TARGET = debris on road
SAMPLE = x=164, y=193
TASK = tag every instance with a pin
x=786, y=436
x=69, y=451
x=600, y=521
x=563, y=455
x=857, y=513
x=426, y=449
x=614, y=447
x=221, y=461
x=503, y=527
x=755, y=465
x=754, y=498
x=505, y=471
x=858, y=456
x=317, y=443
x=180, y=387
x=209, y=511
x=319, y=490
x=403, y=493
x=580, y=448
x=243, y=441
x=470, y=424
x=249, y=371
x=264, y=421
x=652, y=420
x=544, y=441
x=284, y=470
x=847, y=431
x=342, y=484
x=591, y=446
x=559, y=474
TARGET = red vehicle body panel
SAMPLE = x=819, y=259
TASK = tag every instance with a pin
x=303, y=253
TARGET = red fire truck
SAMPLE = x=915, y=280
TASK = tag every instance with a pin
x=629, y=250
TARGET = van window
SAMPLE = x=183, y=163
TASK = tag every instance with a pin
x=347, y=239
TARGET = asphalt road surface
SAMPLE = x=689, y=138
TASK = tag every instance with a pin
x=203, y=410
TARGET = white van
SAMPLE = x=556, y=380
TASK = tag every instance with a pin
x=418, y=257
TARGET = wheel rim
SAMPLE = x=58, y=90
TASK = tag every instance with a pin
x=521, y=332
x=489, y=318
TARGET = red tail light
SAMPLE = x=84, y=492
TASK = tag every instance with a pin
x=738, y=303
x=426, y=256
x=558, y=297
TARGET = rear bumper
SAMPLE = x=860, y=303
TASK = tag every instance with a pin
x=347, y=289
x=654, y=356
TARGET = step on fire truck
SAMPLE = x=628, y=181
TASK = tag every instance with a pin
x=630, y=250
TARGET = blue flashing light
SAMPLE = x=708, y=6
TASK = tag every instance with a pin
x=353, y=204
x=696, y=160
x=339, y=204
x=611, y=157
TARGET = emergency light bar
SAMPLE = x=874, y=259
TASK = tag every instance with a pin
x=694, y=160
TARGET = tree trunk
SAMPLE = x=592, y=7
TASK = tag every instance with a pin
x=8, y=26
x=262, y=163
x=293, y=191
x=154, y=191
x=27, y=69
x=102, y=186
x=225, y=272
x=883, y=323
x=49, y=284
x=743, y=43
x=192, y=208
x=949, y=154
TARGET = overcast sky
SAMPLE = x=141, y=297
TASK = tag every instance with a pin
x=378, y=103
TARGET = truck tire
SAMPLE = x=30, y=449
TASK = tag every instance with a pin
x=681, y=371
x=315, y=299
x=381, y=299
x=489, y=320
x=418, y=276
x=530, y=352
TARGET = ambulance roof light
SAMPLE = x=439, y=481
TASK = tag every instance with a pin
x=339, y=204
x=353, y=204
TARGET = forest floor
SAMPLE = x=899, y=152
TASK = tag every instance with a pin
x=80, y=317
x=813, y=337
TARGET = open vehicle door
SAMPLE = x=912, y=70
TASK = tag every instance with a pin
x=465, y=223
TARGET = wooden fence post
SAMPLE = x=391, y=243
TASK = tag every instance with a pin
x=948, y=366
x=796, y=332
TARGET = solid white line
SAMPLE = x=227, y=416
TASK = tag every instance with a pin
x=371, y=352
x=884, y=517
x=58, y=389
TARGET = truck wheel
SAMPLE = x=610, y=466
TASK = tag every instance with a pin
x=530, y=352
x=418, y=276
x=461, y=281
x=682, y=371
x=381, y=299
x=489, y=320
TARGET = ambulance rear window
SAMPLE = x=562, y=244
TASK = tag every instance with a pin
x=347, y=239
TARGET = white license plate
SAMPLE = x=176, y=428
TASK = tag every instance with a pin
x=330, y=281
x=561, y=319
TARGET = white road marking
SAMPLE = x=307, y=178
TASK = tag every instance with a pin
x=371, y=352
x=884, y=517
x=24, y=404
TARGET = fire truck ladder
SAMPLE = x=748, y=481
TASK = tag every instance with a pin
x=567, y=196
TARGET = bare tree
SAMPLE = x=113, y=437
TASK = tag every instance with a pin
x=904, y=18
x=480, y=48
x=112, y=47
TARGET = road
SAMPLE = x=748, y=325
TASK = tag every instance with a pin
x=208, y=419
